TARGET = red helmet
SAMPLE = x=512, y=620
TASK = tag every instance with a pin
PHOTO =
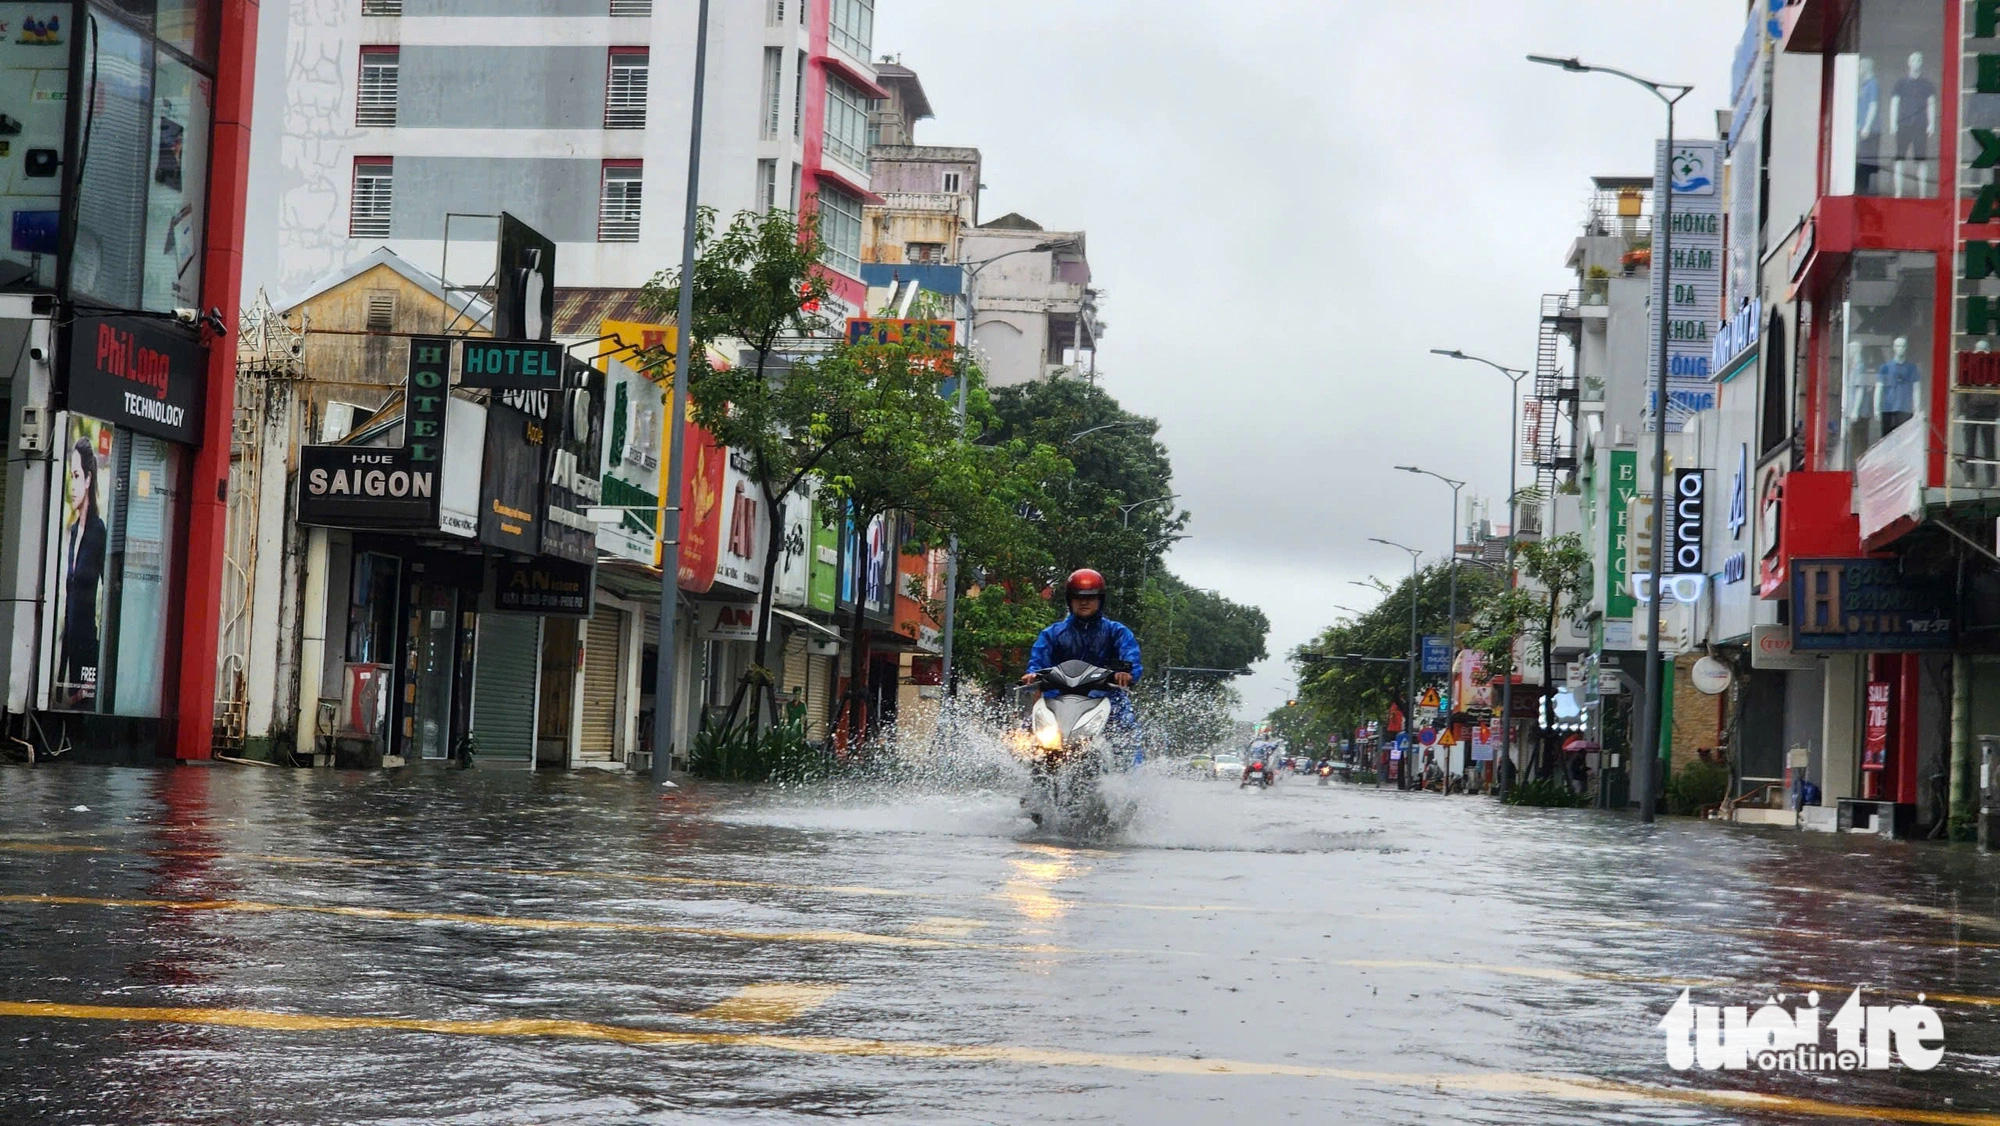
x=1083, y=583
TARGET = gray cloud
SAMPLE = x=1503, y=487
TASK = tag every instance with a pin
x=1288, y=205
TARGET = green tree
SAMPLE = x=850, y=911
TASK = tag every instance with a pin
x=1333, y=674
x=1303, y=727
x=759, y=283
x=907, y=457
x=1558, y=574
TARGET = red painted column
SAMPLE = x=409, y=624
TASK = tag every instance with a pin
x=1909, y=701
x=221, y=287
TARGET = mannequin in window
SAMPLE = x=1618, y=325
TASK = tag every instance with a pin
x=1858, y=395
x=1896, y=383
x=1913, y=123
x=1867, y=129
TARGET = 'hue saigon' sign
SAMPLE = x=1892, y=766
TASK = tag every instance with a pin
x=386, y=486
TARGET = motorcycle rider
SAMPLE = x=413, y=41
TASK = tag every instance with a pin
x=1087, y=635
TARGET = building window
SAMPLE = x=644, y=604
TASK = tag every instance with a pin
x=952, y=181
x=374, y=198
x=1888, y=105
x=852, y=26
x=375, y=99
x=840, y=229
x=774, y=86
x=1879, y=352
x=767, y=185
x=381, y=312
x=799, y=99
x=631, y=7
x=381, y=7
x=924, y=253
x=625, y=89
x=774, y=16
x=847, y=124
x=618, y=202
x=797, y=177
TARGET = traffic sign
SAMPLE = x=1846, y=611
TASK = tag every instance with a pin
x=1427, y=736
x=1429, y=699
x=1436, y=654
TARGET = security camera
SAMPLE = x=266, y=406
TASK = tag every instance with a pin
x=188, y=317
x=38, y=355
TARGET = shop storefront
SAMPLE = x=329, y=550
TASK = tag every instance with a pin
x=116, y=435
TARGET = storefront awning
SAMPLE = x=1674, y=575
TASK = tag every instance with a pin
x=805, y=621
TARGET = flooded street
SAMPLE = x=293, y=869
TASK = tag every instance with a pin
x=231, y=945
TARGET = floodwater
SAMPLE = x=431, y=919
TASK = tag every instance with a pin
x=222, y=944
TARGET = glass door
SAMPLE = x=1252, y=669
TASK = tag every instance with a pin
x=436, y=613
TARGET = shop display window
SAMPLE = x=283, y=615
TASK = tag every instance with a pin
x=1888, y=112
x=142, y=181
x=34, y=98
x=113, y=535
x=1877, y=374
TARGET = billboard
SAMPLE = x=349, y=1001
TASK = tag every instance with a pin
x=1867, y=605
x=740, y=560
x=524, y=283
x=701, y=508
x=795, y=549
x=576, y=445
x=635, y=437
x=1695, y=271
x=510, y=483
x=342, y=486
x=138, y=374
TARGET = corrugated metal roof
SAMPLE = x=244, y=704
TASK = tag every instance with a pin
x=580, y=310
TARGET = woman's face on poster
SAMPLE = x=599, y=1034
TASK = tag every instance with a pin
x=79, y=485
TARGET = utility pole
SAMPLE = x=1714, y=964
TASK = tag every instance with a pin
x=670, y=504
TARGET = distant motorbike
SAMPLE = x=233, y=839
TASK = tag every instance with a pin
x=1067, y=749
x=1325, y=773
x=1258, y=773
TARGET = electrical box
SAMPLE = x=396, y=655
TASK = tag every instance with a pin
x=34, y=430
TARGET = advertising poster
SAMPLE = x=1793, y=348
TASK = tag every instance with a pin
x=82, y=546
x=1695, y=305
x=1875, y=751
x=510, y=487
x=177, y=188
x=821, y=592
x=701, y=509
x=740, y=563
x=634, y=432
x=795, y=550
x=576, y=445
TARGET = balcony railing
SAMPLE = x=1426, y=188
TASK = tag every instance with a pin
x=922, y=201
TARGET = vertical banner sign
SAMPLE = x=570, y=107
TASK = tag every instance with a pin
x=1975, y=360
x=342, y=486
x=1694, y=304
x=573, y=484
x=1618, y=600
x=701, y=508
x=81, y=550
x=1875, y=751
x=635, y=440
x=1690, y=522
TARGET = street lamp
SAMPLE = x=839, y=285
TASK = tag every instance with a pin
x=1647, y=761
x=1514, y=376
x=1127, y=509
x=948, y=684
x=1106, y=426
x=1451, y=634
x=1410, y=699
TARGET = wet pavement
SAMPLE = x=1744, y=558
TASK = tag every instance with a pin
x=227, y=944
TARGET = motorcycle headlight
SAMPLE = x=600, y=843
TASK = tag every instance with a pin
x=1048, y=733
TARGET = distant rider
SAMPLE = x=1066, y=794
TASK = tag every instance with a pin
x=1087, y=635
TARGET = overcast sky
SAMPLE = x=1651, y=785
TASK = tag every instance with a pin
x=1289, y=203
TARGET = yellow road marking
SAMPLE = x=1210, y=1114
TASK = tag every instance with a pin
x=1568, y=1087
x=770, y=1003
x=942, y=926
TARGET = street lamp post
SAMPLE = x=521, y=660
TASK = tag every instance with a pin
x=1451, y=637
x=1647, y=760
x=1410, y=698
x=948, y=683
x=663, y=688
x=1514, y=376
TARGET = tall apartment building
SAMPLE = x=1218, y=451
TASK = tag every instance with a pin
x=406, y=123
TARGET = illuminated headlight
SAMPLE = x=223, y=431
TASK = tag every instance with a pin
x=1048, y=733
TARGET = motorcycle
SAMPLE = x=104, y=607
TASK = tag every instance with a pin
x=1258, y=773
x=1325, y=773
x=1067, y=751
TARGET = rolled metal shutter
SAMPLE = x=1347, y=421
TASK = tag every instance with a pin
x=795, y=664
x=506, y=682
x=819, y=691
x=601, y=664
